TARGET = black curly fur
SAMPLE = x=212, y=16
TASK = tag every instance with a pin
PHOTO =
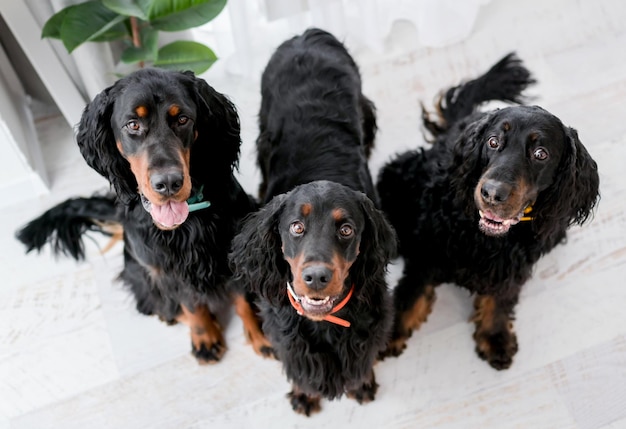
x=316, y=131
x=311, y=96
x=429, y=196
x=319, y=357
x=164, y=269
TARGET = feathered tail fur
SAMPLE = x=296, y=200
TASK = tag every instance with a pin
x=64, y=225
x=504, y=81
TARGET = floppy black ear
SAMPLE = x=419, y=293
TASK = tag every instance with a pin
x=97, y=144
x=586, y=180
x=218, y=130
x=256, y=256
x=467, y=164
x=575, y=191
x=378, y=244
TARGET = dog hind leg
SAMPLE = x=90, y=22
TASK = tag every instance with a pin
x=413, y=302
x=252, y=327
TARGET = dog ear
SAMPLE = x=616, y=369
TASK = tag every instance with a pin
x=96, y=142
x=468, y=156
x=378, y=244
x=218, y=128
x=575, y=191
x=256, y=255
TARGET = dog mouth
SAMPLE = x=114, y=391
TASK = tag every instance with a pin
x=313, y=305
x=317, y=306
x=494, y=225
x=169, y=215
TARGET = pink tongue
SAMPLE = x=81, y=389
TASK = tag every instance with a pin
x=170, y=214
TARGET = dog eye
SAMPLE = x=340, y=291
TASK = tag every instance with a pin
x=297, y=228
x=346, y=230
x=540, y=154
x=182, y=120
x=493, y=142
x=132, y=125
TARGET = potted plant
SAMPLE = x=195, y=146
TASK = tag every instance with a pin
x=137, y=24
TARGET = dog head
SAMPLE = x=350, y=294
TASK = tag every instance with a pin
x=322, y=237
x=156, y=135
x=529, y=166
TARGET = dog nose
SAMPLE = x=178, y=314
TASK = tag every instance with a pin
x=167, y=183
x=317, y=276
x=495, y=192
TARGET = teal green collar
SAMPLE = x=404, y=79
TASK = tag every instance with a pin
x=196, y=202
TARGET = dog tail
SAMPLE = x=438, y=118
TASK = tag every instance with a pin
x=64, y=225
x=504, y=81
x=368, y=124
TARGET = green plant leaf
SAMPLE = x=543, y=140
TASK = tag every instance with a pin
x=177, y=15
x=52, y=27
x=133, y=54
x=127, y=8
x=91, y=21
x=148, y=49
x=185, y=55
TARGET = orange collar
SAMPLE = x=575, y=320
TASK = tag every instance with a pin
x=527, y=210
x=294, y=300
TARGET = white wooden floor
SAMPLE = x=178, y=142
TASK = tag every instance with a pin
x=75, y=354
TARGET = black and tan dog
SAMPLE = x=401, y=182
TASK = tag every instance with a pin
x=494, y=192
x=312, y=262
x=168, y=143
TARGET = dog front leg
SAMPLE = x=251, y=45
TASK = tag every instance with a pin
x=207, y=342
x=303, y=403
x=495, y=340
x=366, y=391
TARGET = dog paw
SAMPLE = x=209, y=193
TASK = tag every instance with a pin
x=364, y=394
x=268, y=352
x=261, y=345
x=208, y=353
x=497, y=349
x=303, y=403
x=395, y=347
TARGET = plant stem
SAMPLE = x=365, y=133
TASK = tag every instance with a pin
x=136, y=38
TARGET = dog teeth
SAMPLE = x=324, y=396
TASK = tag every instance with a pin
x=316, y=301
x=480, y=212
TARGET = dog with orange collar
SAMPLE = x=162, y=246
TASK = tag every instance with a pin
x=310, y=265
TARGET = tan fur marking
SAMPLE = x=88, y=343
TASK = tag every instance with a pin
x=204, y=330
x=141, y=111
x=495, y=340
x=306, y=209
x=485, y=306
x=312, y=401
x=139, y=167
x=174, y=110
x=339, y=267
x=252, y=327
x=114, y=229
x=520, y=196
x=185, y=191
x=413, y=319
x=338, y=215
